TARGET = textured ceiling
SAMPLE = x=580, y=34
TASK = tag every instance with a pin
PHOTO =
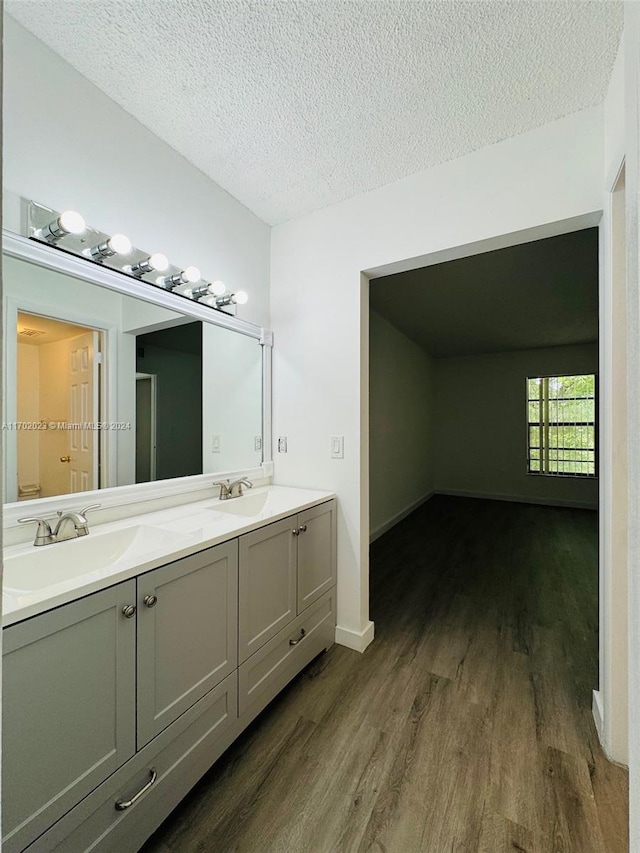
x=538, y=294
x=292, y=105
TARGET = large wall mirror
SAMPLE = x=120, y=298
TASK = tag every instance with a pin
x=103, y=388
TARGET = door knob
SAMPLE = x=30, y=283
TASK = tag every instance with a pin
x=65, y=459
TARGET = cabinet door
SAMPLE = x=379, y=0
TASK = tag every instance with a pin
x=316, y=552
x=68, y=713
x=187, y=634
x=267, y=597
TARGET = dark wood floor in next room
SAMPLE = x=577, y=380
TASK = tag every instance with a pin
x=465, y=727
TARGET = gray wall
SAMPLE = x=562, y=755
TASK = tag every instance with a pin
x=401, y=401
x=179, y=397
x=480, y=425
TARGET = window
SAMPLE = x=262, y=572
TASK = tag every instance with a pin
x=562, y=425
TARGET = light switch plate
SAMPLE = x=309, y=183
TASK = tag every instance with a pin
x=282, y=444
x=215, y=444
x=337, y=447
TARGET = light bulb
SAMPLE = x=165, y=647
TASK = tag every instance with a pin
x=239, y=298
x=68, y=222
x=116, y=245
x=191, y=275
x=177, y=282
x=71, y=222
x=154, y=263
x=158, y=262
x=119, y=244
x=217, y=288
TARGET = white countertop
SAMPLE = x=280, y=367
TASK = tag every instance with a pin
x=170, y=535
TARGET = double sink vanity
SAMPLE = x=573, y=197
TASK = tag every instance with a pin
x=135, y=655
x=140, y=637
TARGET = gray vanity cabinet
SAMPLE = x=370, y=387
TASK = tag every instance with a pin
x=283, y=568
x=316, y=544
x=187, y=628
x=68, y=708
x=267, y=584
x=115, y=704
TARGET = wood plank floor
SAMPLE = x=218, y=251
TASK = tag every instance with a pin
x=466, y=726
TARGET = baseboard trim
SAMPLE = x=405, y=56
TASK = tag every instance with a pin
x=521, y=499
x=383, y=528
x=598, y=718
x=356, y=640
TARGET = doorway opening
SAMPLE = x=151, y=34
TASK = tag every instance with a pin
x=146, y=416
x=58, y=397
x=169, y=402
x=484, y=477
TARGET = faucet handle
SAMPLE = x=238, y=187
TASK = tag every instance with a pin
x=89, y=508
x=224, y=488
x=44, y=535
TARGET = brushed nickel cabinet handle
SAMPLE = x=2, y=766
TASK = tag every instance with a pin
x=303, y=528
x=121, y=805
x=301, y=637
x=129, y=611
x=151, y=600
x=295, y=531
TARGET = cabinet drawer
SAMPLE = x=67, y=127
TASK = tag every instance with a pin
x=267, y=671
x=179, y=756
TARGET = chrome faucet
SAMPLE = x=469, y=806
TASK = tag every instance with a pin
x=46, y=536
x=230, y=490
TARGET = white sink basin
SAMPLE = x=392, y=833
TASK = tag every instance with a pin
x=247, y=505
x=49, y=565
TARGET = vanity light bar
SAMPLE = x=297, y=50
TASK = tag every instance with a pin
x=49, y=226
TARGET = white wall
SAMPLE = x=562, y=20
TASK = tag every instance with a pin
x=632, y=177
x=548, y=175
x=401, y=401
x=480, y=425
x=67, y=145
x=611, y=702
x=28, y=441
x=231, y=400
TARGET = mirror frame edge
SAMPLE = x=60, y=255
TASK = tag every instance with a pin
x=22, y=248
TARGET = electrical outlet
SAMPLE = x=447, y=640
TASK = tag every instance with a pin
x=282, y=444
x=215, y=444
x=337, y=447
x=257, y=443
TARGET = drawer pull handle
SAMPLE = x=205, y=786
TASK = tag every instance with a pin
x=151, y=600
x=295, y=531
x=301, y=637
x=129, y=611
x=303, y=528
x=121, y=805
